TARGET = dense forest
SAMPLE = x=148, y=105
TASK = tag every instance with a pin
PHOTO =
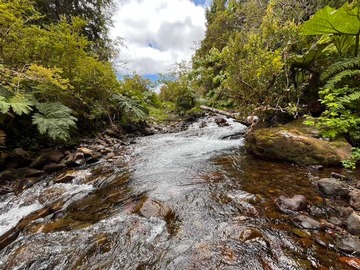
x=277, y=59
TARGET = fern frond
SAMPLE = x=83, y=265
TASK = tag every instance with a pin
x=352, y=63
x=54, y=119
x=341, y=76
x=350, y=98
x=130, y=107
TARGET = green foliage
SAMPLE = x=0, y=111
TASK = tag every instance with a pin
x=131, y=108
x=352, y=161
x=341, y=96
x=344, y=21
x=54, y=119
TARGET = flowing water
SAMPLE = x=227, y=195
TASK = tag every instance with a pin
x=217, y=203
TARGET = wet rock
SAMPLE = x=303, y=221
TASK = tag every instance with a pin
x=295, y=143
x=51, y=194
x=221, y=121
x=355, y=199
x=336, y=221
x=349, y=244
x=95, y=157
x=306, y=222
x=353, y=262
x=353, y=224
x=86, y=151
x=53, y=155
x=79, y=158
x=26, y=172
x=152, y=208
x=295, y=203
x=39, y=162
x=7, y=175
x=301, y=233
x=52, y=167
x=17, y=158
x=249, y=234
x=332, y=187
x=202, y=124
x=110, y=155
x=65, y=177
x=75, y=159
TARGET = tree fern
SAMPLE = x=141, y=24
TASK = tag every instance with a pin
x=54, y=119
x=130, y=107
x=337, y=78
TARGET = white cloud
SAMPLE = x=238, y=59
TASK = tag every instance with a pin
x=158, y=33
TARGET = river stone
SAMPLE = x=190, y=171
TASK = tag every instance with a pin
x=86, y=151
x=349, y=244
x=355, y=199
x=65, y=177
x=295, y=143
x=306, y=222
x=53, y=155
x=152, y=208
x=221, y=121
x=52, y=167
x=353, y=224
x=332, y=187
x=39, y=162
x=17, y=158
x=295, y=203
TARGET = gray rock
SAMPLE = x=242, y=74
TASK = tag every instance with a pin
x=353, y=224
x=332, y=187
x=355, y=199
x=306, y=222
x=295, y=203
x=349, y=245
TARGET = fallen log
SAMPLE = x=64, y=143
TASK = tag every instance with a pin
x=249, y=121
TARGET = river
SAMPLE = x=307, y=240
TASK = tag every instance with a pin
x=188, y=200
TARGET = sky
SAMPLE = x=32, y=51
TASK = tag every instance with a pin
x=158, y=33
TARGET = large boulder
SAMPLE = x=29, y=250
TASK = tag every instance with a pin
x=296, y=143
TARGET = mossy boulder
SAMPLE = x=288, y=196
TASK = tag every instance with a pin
x=296, y=143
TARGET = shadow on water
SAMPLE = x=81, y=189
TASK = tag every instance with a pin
x=222, y=212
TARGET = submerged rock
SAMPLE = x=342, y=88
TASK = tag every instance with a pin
x=152, y=208
x=296, y=144
x=306, y=222
x=295, y=203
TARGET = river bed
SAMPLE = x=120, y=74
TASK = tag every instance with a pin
x=214, y=209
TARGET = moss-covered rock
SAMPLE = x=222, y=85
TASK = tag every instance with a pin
x=296, y=143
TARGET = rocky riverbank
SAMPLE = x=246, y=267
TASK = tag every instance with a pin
x=20, y=168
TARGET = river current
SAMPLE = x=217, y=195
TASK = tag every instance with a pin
x=216, y=204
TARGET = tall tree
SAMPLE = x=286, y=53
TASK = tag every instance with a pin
x=97, y=14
